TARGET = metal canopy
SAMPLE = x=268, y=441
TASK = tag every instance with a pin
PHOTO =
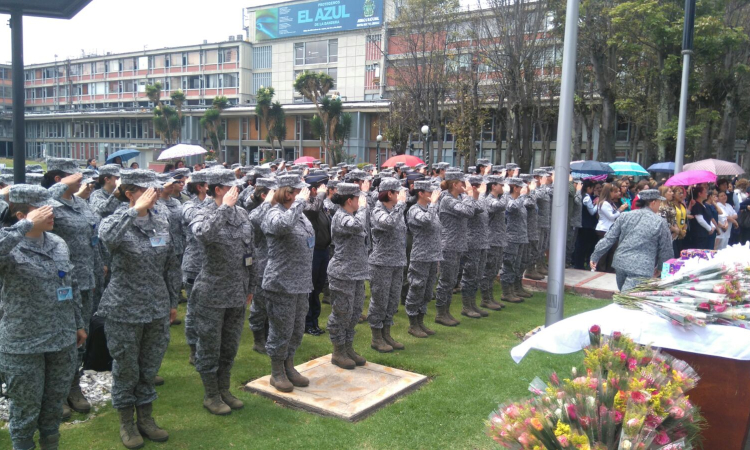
x=57, y=9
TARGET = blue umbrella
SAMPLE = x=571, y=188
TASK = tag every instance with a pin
x=662, y=167
x=124, y=154
x=591, y=167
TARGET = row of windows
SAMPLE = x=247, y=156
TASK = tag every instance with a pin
x=90, y=129
x=183, y=59
x=316, y=52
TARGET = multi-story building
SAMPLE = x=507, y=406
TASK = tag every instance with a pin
x=6, y=102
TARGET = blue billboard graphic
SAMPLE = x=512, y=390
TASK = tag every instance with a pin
x=317, y=17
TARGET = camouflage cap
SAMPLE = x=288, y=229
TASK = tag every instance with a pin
x=495, y=179
x=236, y=166
x=222, y=177
x=368, y=168
x=472, y=169
x=526, y=177
x=109, y=170
x=6, y=179
x=514, y=181
x=28, y=194
x=140, y=177
x=420, y=166
x=268, y=183
x=212, y=163
x=476, y=179
x=65, y=165
x=390, y=184
x=399, y=164
x=483, y=162
x=7, y=170
x=34, y=178
x=88, y=176
x=358, y=175
x=348, y=189
x=293, y=181
x=512, y=166
x=441, y=165
x=498, y=168
x=540, y=173
x=425, y=185
x=324, y=166
x=181, y=173
x=199, y=176
x=454, y=175
x=34, y=168
x=316, y=161
x=262, y=171
x=650, y=194
x=333, y=183
x=341, y=164
x=351, y=167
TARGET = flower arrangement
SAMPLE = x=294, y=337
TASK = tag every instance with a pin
x=629, y=396
x=210, y=155
x=704, y=291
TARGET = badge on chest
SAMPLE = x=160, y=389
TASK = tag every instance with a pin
x=158, y=241
x=310, y=241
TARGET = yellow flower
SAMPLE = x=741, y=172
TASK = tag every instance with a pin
x=562, y=429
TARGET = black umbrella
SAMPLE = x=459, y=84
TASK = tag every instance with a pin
x=591, y=167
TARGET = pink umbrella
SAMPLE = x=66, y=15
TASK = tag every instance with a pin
x=691, y=177
x=305, y=160
x=717, y=166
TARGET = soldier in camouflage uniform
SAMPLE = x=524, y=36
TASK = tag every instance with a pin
x=167, y=202
x=544, y=203
x=531, y=252
x=287, y=280
x=264, y=190
x=424, y=225
x=644, y=242
x=347, y=272
x=137, y=315
x=517, y=237
x=575, y=214
x=386, y=261
x=495, y=202
x=78, y=226
x=478, y=242
x=42, y=323
x=455, y=210
x=102, y=201
x=223, y=288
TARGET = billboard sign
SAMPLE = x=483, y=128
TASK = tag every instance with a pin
x=303, y=19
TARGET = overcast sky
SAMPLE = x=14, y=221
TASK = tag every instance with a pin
x=120, y=26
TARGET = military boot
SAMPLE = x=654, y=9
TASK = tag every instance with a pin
x=158, y=381
x=224, y=379
x=191, y=359
x=532, y=274
x=378, y=343
x=478, y=310
x=508, y=294
x=443, y=317
x=519, y=290
x=358, y=359
x=389, y=339
x=49, y=442
x=414, y=328
x=278, y=377
x=340, y=357
x=129, y=434
x=467, y=309
x=293, y=376
x=541, y=268
x=67, y=413
x=420, y=320
x=147, y=425
x=488, y=302
x=259, y=338
x=450, y=316
x=76, y=400
x=211, y=398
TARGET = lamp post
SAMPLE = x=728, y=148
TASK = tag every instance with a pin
x=687, y=51
x=426, y=132
x=377, y=155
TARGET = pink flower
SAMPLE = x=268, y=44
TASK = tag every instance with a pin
x=616, y=335
x=662, y=438
x=652, y=421
x=572, y=412
x=634, y=422
x=618, y=417
x=593, y=383
x=563, y=440
x=524, y=439
x=623, y=356
x=585, y=421
x=677, y=412
x=638, y=397
x=720, y=308
x=704, y=307
x=632, y=364
x=554, y=379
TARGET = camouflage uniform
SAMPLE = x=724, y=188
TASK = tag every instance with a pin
x=517, y=236
x=475, y=258
x=424, y=226
x=544, y=202
x=103, y=203
x=347, y=272
x=137, y=313
x=287, y=279
x=37, y=331
x=258, y=310
x=454, y=215
x=531, y=250
x=575, y=213
x=497, y=239
x=387, y=260
x=221, y=289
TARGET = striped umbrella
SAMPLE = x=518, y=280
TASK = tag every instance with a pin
x=717, y=166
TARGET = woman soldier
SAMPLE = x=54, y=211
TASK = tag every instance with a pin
x=42, y=321
x=77, y=224
x=260, y=202
x=137, y=314
x=455, y=210
x=495, y=202
x=173, y=206
x=347, y=272
x=518, y=202
x=192, y=259
x=223, y=288
x=426, y=253
x=387, y=262
x=287, y=280
x=476, y=256
x=102, y=201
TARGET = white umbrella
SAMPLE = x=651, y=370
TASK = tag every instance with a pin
x=717, y=166
x=181, y=151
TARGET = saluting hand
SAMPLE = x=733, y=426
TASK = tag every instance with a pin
x=146, y=201
x=5, y=191
x=435, y=197
x=482, y=188
x=366, y=186
x=40, y=217
x=362, y=201
x=304, y=194
x=269, y=196
x=230, y=198
x=468, y=188
x=71, y=180
x=524, y=190
x=593, y=265
x=401, y=196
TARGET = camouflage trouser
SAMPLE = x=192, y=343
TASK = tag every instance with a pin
x=87, y=311
x=570, y=244
x=137, y=350
x=421, y=277
x=512, y=254
x=385, y=287
x=405, y=271
x=492, y=266
x=258, y=314
x=474, y=263
x=449, y=267
x=347, y=300
x=37, y=384
x=286, y=320
x=190, y=335
x=543, y=244
x=219, y=332
x=627, y=281
x=530, y=254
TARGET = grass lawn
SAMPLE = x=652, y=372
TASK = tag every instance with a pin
x=9, y=163
x=470, y=372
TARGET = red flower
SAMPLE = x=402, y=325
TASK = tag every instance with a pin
x=572, y=412
x=638, y=397
x=618, y=417
x=554, y=379
x=585, y=421
x=662, y=438
x=652, y=421
x=616, y=335
x=632, y=364
x=623, y=356
x=595, y=329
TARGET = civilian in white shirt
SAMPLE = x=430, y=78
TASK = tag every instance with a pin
x=609, y=211
x=727, y=221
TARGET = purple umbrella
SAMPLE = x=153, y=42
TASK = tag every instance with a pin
x=691, y=177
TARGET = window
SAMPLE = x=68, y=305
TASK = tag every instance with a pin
x=228, y=55
x=231, y=80
x=143, y=62
x=193, y=59
x=212, y=57
x=167, y=60
x=114, y=66
x=623, y=129
x=262, y=57
x=212, y=81
x=261, y=79
x=99, y=67
x=50, y=73
x=316, y=52
x=159, y=61
x=75, y=69
x=129, y=63
x=86, y=69
x=29, y=75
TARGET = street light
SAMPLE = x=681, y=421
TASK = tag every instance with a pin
x=426, y=131
x=379, y=138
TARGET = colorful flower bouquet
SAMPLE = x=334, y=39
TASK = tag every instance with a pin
x=630, y=396
x=703, y=291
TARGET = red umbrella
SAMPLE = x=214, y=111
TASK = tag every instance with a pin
x=305, y=160
x=409, y=160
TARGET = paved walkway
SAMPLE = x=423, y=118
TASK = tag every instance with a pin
x=583, y=282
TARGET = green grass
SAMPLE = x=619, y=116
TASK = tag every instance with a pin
x=470, y=372
x=9, y=162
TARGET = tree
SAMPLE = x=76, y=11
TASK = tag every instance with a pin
x=272, y=115
x=314, y=86
x=396, y=128
x=211, y=122
x=334, y=124
x=167, y=120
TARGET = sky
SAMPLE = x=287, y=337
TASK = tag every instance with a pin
x=120, y=26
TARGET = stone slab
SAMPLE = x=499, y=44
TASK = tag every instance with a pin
x=345, y=394
x=583, y=282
